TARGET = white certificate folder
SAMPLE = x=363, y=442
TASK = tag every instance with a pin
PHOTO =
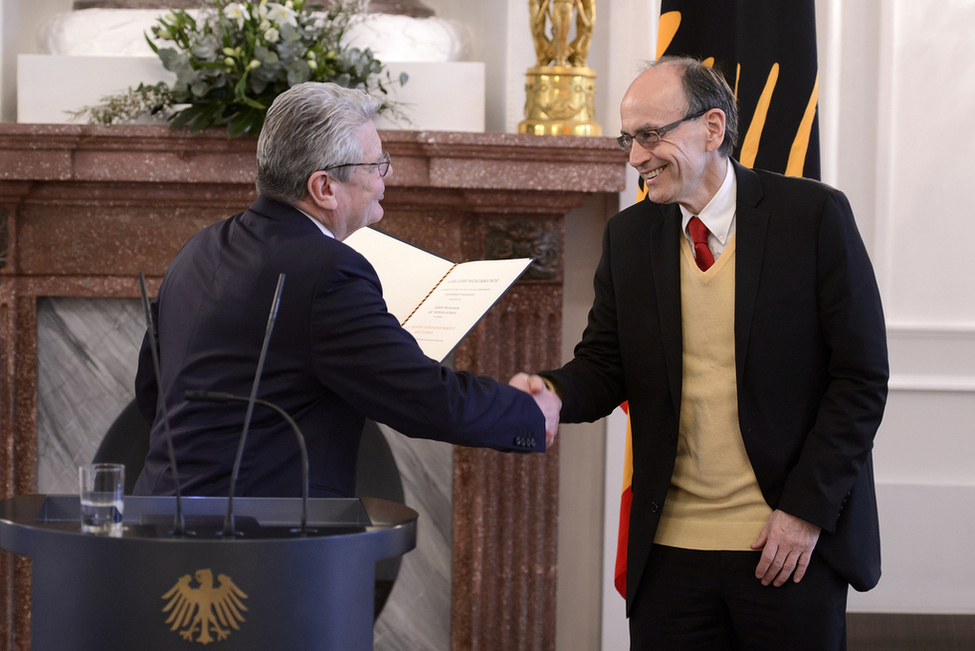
x=436, y=300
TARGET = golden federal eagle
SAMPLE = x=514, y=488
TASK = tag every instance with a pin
x=204, y=609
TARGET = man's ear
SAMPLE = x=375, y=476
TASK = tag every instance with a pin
x=715, y=123
x=321, y=190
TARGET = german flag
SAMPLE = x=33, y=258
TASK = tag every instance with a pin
x=766, y=49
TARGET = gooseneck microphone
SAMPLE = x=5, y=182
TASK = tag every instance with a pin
x=228, y=523
x=219, y=396
x=178, y=524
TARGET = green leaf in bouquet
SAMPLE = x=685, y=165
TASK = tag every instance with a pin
x=183, y=117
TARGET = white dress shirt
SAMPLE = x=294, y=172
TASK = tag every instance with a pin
x=718, y=215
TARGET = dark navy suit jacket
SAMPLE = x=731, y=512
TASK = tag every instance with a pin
x=336, y=356
x=810, y=352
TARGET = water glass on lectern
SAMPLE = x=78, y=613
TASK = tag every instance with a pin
x=101, y=490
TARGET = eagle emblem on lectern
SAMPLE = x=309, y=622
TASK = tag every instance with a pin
x=205, y=611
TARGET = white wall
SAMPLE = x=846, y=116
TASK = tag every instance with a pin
x=19, y=20
x=902, y=155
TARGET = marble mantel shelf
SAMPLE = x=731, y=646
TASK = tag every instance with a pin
x=428, y=158
x=83, y=209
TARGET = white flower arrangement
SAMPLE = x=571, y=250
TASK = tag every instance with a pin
x=233, y=60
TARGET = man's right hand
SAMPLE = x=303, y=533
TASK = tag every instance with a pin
x=546, y=399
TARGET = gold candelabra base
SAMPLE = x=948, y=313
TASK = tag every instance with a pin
x=560, y=101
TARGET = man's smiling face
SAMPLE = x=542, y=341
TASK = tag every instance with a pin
x=675, y=169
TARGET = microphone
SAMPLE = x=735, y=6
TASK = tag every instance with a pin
x=228, y=523
x=219, y=396
x=178, y=523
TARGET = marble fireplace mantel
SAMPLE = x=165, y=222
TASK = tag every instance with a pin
x=83, y=209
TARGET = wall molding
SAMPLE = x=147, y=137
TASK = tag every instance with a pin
x=932, y=357
x=906, y=330
x=933, y=383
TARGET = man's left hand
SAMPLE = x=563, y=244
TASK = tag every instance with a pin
x=787, y=543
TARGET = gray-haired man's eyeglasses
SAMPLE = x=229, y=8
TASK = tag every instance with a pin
x=382, y=165
x=648, y=139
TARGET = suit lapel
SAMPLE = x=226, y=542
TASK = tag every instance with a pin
x=750, y=237
x=665, y=262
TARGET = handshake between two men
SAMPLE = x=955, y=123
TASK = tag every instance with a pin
x=546, y=399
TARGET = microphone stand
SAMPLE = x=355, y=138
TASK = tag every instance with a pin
x=219, y=396
x=178, y=523
x=228, y=523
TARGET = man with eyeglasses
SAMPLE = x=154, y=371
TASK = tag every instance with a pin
x=737, y=312
x=336, y=356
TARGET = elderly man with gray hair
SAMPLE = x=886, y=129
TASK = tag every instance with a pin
x=336, y=356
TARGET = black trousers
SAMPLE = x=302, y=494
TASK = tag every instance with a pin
x=701, y=600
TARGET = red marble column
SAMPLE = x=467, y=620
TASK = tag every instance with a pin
x=83, y=209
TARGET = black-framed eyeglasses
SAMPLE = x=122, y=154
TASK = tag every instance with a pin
x=382, y=165
x=648, y=139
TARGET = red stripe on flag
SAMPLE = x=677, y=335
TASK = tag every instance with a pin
x=620, y=574
x=626, y=498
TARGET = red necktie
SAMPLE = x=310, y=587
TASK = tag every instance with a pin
x=699, y=233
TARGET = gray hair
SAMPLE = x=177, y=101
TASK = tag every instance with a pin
x=309, y=127
x=705, y=89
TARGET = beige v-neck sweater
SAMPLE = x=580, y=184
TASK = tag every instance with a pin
x=714, y=502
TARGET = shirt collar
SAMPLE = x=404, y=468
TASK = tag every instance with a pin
x=719, y=213
x=320, y=225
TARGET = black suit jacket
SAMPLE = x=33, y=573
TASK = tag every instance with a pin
x=810, y=352
x=336, y=356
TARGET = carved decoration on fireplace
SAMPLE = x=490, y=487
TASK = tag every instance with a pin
x=525, y=238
